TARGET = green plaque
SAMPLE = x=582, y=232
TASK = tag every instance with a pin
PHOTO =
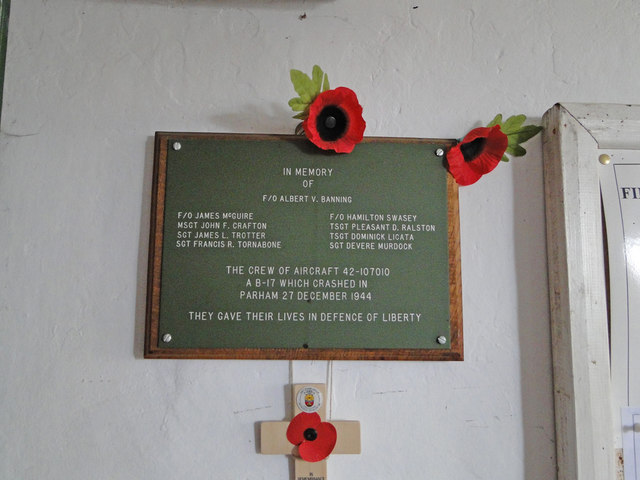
x=267, y=247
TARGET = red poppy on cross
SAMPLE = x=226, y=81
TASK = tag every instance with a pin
x=309, y=435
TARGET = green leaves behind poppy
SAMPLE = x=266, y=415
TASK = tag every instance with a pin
x=308, y=88
x=517, y=133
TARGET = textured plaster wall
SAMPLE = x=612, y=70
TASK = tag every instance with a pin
x=87, y=84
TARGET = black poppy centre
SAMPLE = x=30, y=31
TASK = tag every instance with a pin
x=471, y=150
x=310, y=434
x=332, y=123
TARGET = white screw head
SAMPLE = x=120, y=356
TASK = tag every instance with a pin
x=441, y=339
x=439, y=152
x=166, y=338
x=177, y=146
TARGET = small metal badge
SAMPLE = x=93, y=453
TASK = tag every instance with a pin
x=309, y=399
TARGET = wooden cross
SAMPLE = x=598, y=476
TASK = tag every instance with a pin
x=273, y=435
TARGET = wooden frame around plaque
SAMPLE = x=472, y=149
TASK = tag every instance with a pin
x=156, y=345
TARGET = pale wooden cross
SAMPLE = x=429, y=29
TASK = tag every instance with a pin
x=273, y=435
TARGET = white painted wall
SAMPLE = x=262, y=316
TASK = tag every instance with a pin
x=87, y=84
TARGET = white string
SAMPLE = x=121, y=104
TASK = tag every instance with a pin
x=330, y=389
x=291, y=373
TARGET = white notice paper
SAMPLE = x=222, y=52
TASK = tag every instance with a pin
x=631, y=442
x=620, y=188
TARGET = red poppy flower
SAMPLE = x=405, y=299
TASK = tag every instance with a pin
x=335, y=120
x=478, y=153
x=315, y=439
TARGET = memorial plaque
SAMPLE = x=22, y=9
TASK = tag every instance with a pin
x=267, y=247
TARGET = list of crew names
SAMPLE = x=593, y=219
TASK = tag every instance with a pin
x=337, y=284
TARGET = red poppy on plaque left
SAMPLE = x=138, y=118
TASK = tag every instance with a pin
x=331, y=119
x=335, y=121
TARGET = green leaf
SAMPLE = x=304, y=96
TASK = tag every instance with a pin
x=516, y=150
x=325, y=84
x=301, y=115
x=525, y=133
x=496, y=121
x=317, y=75
x=516, y=133
x=513, y=124
x=308, y=88
x=298, y=104
x=303, y=85
x=512, y=140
